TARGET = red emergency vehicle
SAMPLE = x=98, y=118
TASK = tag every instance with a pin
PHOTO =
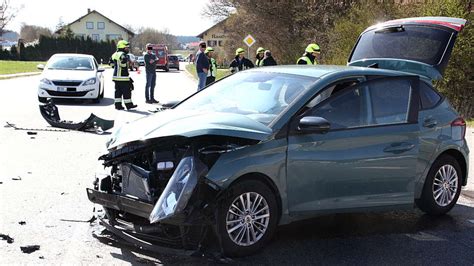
x=161, y=51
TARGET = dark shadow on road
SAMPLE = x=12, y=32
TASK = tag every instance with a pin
x=358, y=239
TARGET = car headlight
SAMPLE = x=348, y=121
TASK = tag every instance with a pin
x=90, y=81
x=179, y=189
x=46, y=81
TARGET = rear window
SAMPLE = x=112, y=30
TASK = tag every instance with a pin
x=418, y=43
x=428, y=96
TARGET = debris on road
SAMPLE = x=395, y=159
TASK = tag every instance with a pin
x=31, y=133
x=41, y=257
x=30, y=249
x=16, y=178
x=94, y=123
x=91, y=220
x=22, y=222
x=7, y=238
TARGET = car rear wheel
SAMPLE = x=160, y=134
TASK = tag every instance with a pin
x=442, y=186
x=247, y=218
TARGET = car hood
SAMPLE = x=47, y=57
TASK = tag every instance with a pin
x=187, y=123
x=53, y=74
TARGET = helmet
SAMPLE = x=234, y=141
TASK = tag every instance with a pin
x=209, y=49
x=260, y=50
x=122, y=44
x=239, y=51
x=311, y=48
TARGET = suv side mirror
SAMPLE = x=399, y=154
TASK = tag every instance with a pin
x=314, y=124
x=40, y=66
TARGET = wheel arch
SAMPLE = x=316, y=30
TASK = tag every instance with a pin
x=459, y=157
x=267, y=181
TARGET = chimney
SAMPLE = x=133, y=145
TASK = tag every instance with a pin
x=88, y=10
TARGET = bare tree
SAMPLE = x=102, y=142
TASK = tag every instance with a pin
x=30, y=33
x=7, y=14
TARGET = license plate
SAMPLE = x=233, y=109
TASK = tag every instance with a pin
x=62, y=89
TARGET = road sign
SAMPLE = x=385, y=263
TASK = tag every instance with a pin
x=249, y=40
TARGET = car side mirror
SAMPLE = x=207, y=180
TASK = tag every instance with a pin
x=100, y=70
x=40, y=66
x=314, y=124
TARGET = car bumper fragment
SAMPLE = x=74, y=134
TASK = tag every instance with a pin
x=120, y=203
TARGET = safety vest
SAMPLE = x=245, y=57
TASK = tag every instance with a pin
x=120, y=69
x=308, y=61
x=259, y=62
x=212, y=68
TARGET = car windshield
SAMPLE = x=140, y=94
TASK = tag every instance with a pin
x=418, y=43
x=258, y=95
x=70, y=63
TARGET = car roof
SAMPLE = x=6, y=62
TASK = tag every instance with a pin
x=74, y=55
x=320, y=71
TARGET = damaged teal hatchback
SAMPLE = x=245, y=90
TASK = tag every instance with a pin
x=273, y=145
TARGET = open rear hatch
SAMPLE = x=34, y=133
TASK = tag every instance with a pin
x=416, y=45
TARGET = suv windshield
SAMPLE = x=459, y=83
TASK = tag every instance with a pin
x=411, y=42
x=257, y=95
x=70, y=63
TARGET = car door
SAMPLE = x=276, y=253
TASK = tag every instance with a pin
x=367, y=158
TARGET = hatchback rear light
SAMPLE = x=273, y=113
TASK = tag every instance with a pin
x=460, y=122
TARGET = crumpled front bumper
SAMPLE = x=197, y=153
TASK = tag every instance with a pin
x=120, y=203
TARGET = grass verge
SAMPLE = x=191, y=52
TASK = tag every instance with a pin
x=14, y=67
x=221, y=73
x=470, y=122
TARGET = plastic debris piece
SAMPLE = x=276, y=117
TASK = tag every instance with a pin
x=31, y=133
x=16, y=178
x=22, y=222
x=7, y=238
x=30, y=249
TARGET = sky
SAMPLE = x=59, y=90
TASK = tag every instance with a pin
x=180, y=17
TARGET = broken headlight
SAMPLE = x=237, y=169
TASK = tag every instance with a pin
x=179, y=189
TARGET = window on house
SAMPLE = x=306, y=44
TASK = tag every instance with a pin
x=100, y=25
x=89, y=25
x=95, y=37
x=114, y=36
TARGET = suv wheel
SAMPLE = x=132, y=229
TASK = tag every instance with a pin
x=442, y=186
x=247, y=218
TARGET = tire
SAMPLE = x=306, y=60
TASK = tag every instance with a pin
x=42, y=99
x=234, y=239
x=433, y=202
x=167, y=69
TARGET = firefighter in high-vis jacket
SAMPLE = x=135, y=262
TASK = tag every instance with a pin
x=123, y=82
x=212, y=72
x=259, y=57
x=311, y=55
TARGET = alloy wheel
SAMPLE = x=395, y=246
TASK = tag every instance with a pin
x=247, y=219
x=445, y=185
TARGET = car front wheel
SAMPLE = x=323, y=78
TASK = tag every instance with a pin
x=442, y=186
x=247, y=218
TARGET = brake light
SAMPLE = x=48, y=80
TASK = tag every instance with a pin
x=460, y=122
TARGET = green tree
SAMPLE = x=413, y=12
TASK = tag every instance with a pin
x=458, y=81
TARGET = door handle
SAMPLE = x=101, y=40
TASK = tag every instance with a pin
x=430, y=123
x=399, y=147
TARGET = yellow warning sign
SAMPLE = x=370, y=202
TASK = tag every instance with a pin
x=249, y=40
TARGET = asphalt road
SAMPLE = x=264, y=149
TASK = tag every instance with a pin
x=43, y=179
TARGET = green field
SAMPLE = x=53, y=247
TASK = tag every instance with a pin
x=220, y=72
x=13, y=67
